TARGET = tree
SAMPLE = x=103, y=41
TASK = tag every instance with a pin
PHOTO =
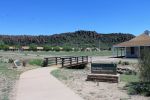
x=56, y=48
x=144, y=65
x=67, y=48
x=33, y=47
x=47, y=48
x=147, y=32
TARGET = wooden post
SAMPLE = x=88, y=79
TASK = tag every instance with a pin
x=77, y=60
x=87, y=58
x=62, y=62
x=70, y=61
x=56, y=60
x=46, y=60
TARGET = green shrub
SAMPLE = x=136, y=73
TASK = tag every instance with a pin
x=125, y=63
x=33, y=47
x=67, y=49
x=119, y=62
x=47, y=48
x=142, y=88
x=44, y=63
x=37, y=62
x=56, y=48
x=11, y=60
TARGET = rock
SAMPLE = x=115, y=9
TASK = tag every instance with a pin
x=18, y=64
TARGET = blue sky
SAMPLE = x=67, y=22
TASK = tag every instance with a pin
x=35, y=17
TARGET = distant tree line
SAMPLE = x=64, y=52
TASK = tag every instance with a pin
x=77, y=39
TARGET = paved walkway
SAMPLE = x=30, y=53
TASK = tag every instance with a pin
x=39, y=84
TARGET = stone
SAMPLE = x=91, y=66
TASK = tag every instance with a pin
x=18, y=64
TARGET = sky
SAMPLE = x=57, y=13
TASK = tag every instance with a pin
x=46, y=17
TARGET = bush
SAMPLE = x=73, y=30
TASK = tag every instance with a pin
x=10, y=60
x=67, y=49
x=119, y=62
x=37, y=62
x=125, y=63
x=56, y=48
x=33, y=47
x=44, y=63
x=138, y=88
x=47, y=48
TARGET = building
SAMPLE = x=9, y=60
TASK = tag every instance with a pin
x=39, y=48
x=25, y=48
x=12, y=48
x=133, y=47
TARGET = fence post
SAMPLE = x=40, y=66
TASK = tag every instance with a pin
x=82, y=59
x=77, y=60
x=46, y=61
x=56, y=60
x=87, y=58
x=62, y=62
x=70, y=61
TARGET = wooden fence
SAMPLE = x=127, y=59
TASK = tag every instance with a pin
x=67, y=61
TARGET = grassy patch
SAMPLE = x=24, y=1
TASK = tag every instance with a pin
x=129, y=78
x=37, y=62
x=59, y=74
x=75, y=53
x=7, y=79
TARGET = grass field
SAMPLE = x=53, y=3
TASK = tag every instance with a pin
x=63, y=53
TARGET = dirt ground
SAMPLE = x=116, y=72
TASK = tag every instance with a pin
x=76, y=80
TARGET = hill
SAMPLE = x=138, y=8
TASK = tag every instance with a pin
x=72, y=39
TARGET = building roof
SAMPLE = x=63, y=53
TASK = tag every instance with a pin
x=142, y=40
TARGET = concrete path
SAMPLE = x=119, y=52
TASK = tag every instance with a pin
x=39, y=84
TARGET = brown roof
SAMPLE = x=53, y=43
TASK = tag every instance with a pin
x=142, y=40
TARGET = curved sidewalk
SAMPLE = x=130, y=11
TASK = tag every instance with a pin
x=39, y=84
